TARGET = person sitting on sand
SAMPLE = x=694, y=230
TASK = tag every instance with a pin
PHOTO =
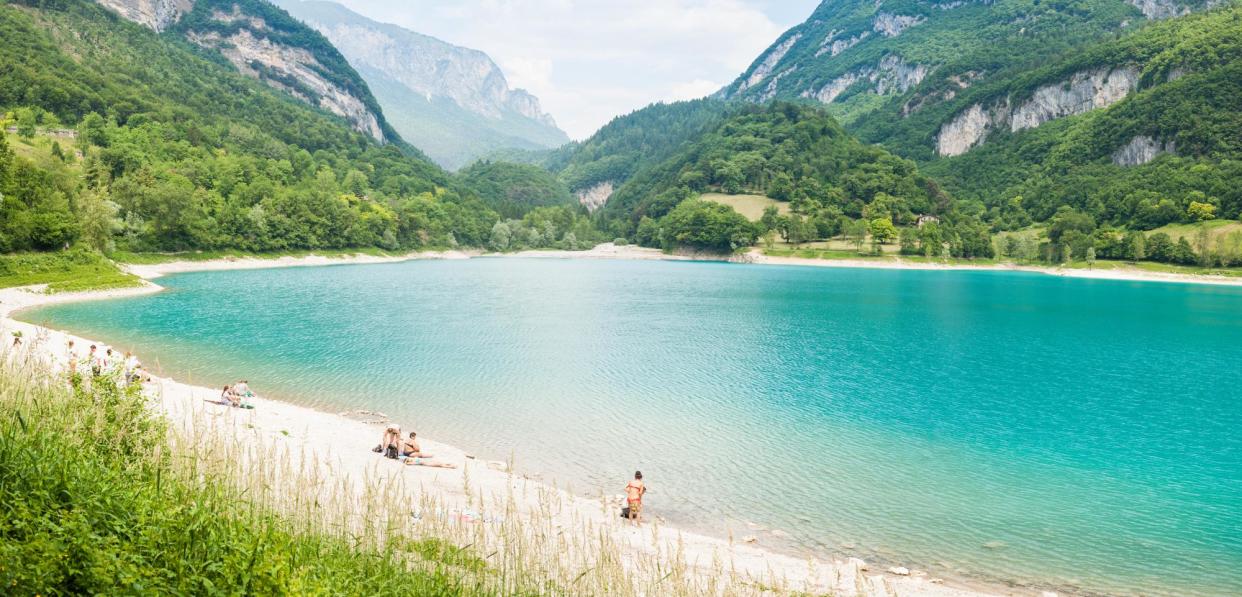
x=390, y=442
x=229, y=397
x=409, y=447
x=634, y=497
x=242, y=388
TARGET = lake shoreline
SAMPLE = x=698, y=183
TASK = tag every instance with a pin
x=754, y=256
x=346, y=442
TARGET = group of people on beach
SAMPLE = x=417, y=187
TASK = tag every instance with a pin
x=105, y=362
x=237, y=395
x=406, y=449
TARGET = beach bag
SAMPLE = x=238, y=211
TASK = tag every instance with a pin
x=391, y=452
x=378, y=448
x=625, y=513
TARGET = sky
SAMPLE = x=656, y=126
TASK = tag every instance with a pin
x=591, y=60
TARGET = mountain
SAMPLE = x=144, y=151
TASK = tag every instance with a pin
x=262, y=41
x=876, y=63
x=1140, y=163
x=452, y=102
x=140, y=141
x=1121, y=110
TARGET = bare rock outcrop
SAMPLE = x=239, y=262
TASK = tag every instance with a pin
x=278, y=65
x=156, y=14
x=892, y=75
x=1160, y=9
x=1140, y=150
x=765, y=68
x=596, y=196
x=891, y=25
x=1082, y=92
x=833, y=46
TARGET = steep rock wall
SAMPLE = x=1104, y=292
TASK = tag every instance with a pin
x=1082, y=92
x=891, y=75
x=156, y=14
x=596, y=196
x=1140, y=150
x=279, y=65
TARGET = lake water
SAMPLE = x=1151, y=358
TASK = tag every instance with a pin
x=1074, y=434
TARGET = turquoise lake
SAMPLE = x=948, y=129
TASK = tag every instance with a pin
x=1079, y=435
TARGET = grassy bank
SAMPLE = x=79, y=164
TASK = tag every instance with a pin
x=99, y=494
x=96, y=498
x=63, y=271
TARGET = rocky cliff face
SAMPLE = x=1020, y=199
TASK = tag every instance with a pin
x=291, y=69
x=424, y=78
x=242, y=33
x=1160, y=9
x=908, y=74
x=1082, y=92
x=596, y=196
x=156, y=14
x=1140, y=150
x=891, y=75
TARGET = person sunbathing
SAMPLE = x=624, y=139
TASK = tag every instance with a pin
x=420, y=461
x=409, y=447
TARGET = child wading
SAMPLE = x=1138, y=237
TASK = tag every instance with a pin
x=634, y=497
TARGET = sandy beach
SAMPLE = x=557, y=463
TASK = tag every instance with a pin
x=342, y=441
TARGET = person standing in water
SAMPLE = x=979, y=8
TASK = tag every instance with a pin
x=634, y=497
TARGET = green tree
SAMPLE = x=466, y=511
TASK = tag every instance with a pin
x=882, y=230
x=500, y=237
x=707, y=225
x=1200, y=212
x=27, y=122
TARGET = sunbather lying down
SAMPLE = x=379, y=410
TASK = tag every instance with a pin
x=423, y=461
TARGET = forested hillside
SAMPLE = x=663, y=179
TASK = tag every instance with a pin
x=180, y=152
x=791, y=153
x=876, y=62
x=515, y=189
x=1139, y=163
x=261, y=40
x=631, y=142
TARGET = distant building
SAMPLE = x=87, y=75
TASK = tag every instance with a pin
x=927, y=220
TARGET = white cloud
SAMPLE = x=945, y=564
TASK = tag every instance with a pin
x=693, y=89
x=591, y=60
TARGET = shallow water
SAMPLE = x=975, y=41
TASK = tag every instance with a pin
x=1075, y=434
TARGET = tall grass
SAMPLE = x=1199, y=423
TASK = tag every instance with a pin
x=99, y=494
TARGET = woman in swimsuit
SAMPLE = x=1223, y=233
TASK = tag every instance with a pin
x=634, y=497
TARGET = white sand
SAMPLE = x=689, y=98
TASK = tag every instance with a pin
x=344, y=444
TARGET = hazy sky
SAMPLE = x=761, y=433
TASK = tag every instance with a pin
x=591, y=60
